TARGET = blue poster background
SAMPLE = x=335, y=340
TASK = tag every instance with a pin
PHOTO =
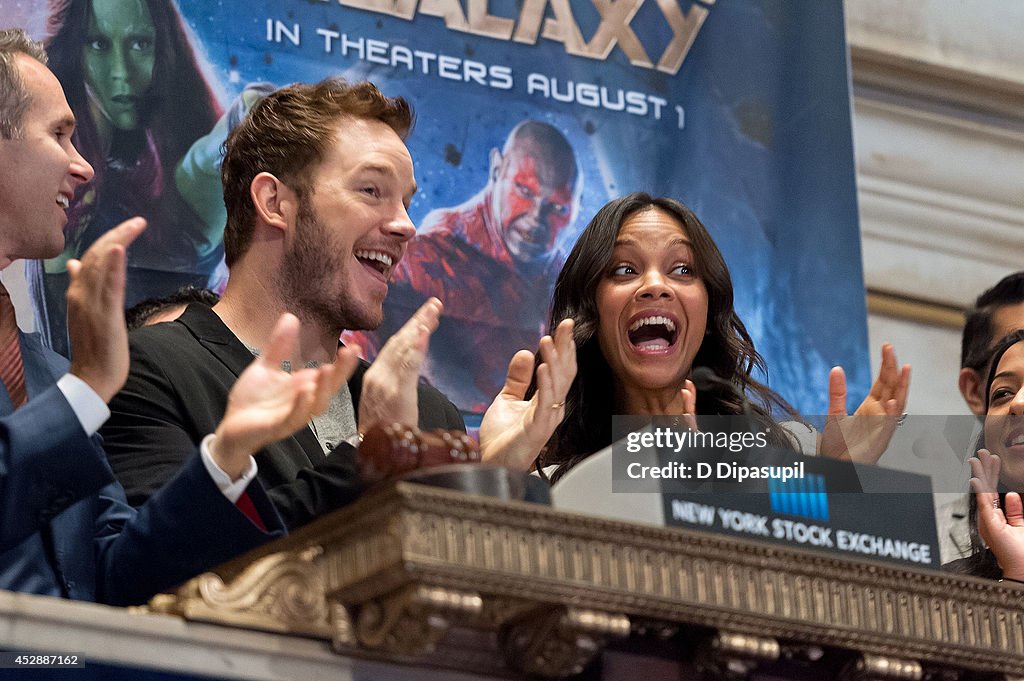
x=754, y=135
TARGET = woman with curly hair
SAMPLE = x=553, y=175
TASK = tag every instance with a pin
x=652, y=299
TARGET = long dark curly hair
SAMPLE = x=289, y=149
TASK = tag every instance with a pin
x=727, y=348
x=179, y=107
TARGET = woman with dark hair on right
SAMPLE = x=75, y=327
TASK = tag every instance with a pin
x=996, y=515
x=652, y=299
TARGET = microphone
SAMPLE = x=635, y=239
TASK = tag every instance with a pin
x=705, y=378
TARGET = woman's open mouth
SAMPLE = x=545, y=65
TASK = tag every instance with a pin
x=653, y=333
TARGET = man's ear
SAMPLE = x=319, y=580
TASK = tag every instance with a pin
x=972, y=389
x=274, y=201
x=496, y=159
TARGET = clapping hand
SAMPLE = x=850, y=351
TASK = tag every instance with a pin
x=389, y=392
x=267, y=403
x=863, y=437
x=99, y=339
x=514, y=429
x=689, y=397
x=1003, y=532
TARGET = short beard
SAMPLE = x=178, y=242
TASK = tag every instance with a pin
x=305, y=276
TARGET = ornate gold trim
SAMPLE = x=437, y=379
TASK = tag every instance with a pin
x=880, y=668
x=728, y=655
x=412, y=620
x=924, y=312
x=411, y=552
x=280, y=592
x=560, y=641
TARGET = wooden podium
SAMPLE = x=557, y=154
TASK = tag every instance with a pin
x=440, y=579
x=417, y=582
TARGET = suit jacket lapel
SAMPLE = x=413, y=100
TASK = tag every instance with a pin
x=216, y=337
x=211, y=332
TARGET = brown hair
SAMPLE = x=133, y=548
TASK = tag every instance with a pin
x=14, y=99
x=286, y=134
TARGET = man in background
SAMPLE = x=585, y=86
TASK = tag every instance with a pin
x=996, y=313
x=167, y=308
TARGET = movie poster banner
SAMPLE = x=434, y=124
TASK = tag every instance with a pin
x=531, y=114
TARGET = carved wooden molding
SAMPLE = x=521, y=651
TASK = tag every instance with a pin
x=879, y=668
x=732, y=656
x=559, y=642
x=280, y=592
x=412, y=620
x=990, y=97
x=922, y=214
x=439, y=562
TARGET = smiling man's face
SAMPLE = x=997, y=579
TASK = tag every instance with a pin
x=352, y=227
x=40, y=169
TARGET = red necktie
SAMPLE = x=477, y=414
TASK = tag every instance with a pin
x=12, y=371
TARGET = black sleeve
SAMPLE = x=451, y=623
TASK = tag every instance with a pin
x=157, y=422
x=150, y=434
x=319, y=489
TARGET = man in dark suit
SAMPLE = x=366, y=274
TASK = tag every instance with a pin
x=315, y=223
x=177, y=389
x=65, y=529
x=317, y=184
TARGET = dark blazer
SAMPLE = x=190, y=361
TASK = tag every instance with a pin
x=177, y=389
x=65, y=528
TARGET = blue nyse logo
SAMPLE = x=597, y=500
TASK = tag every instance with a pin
x=803, y=497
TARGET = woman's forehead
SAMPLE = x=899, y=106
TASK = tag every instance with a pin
x=652, y=227
x=1013, y=357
